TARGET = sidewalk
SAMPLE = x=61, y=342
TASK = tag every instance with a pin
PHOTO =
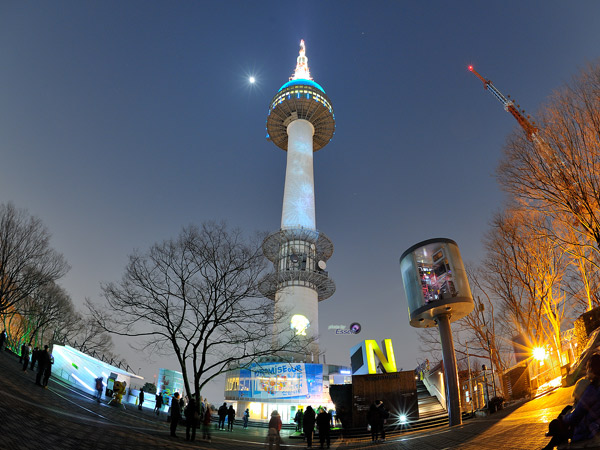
x=32, y=418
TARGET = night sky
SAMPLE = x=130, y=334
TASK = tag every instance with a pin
x=121, y=122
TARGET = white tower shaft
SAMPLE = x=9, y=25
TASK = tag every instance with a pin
x=299, y=192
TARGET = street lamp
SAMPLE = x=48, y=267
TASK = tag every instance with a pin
x=485, y=330
x=539, y=353
x=487, y=392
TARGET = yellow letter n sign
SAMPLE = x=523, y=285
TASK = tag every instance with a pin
x=363, y=355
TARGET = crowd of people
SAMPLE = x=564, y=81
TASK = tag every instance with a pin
x=29, y=358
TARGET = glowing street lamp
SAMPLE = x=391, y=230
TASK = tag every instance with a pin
x=539, y=353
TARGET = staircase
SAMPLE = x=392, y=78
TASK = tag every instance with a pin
x=429, y=405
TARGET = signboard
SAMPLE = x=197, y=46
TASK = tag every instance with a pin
x=362, y=357
x=169, y=382
x=266, y=381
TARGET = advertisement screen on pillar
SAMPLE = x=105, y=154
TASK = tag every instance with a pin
x=282, y=380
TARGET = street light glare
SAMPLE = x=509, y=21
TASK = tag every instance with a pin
x=252, y=80
x=539, y=353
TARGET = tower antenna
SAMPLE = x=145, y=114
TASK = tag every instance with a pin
x=509, y=106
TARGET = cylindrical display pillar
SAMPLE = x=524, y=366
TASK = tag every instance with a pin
x=299, y=191
x=450, y=370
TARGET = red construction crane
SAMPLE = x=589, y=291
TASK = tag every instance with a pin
x=509, y=106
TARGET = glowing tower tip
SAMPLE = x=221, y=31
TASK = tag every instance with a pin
x=301, y=71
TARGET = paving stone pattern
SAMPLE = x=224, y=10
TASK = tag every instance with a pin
x=32, y=418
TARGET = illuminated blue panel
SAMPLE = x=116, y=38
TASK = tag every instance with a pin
x=267, y=381
x=302, y=82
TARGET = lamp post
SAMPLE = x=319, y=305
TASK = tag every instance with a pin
x=487, y=392
x=487, y=337
x=485, y=329
x=470, y=382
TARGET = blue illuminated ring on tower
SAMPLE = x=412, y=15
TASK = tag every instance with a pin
x=301, y=99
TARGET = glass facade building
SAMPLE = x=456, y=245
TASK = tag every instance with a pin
x=285, y=387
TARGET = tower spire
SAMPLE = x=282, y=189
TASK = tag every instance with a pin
x=301, y=71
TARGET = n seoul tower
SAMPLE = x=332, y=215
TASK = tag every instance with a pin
x=300, y=121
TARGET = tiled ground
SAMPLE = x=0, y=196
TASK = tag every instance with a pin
x=32, y=418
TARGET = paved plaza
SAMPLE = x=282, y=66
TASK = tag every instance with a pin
x=62, y=418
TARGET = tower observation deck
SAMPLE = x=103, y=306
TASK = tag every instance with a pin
x=300, y=121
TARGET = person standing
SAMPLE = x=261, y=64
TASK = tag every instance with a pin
x=141, y=399
x=99, y=388
x=308, y=425
x=373, y=421
x=274, y=428
x=191, y=419
x=298, y=419
x=158, y=404
x=383, y=416
x=324, y=426
x=222, y=414
x=206, y=423
x=342, y=415
x=2, y=339
x=34, y=356
x=25, y=350
x=246, y=417
x=43, y=361
x=175, y=413
x=230, y=418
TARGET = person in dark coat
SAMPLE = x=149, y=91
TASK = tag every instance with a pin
x=99, y=388
x=324, y=426
x=2, y=340
x=192, y=414
x=582, y=422
x=308, y=425
x=298, y=419
x=43, y=362
x=230, y=418
x=159, y=403
x=222, y=414
x=206, y=423
x=343, y=417
x=373, y=421
x=175, y=413
x=34, y=357
x=141, y=399
x=25, y=350
x=383, y=416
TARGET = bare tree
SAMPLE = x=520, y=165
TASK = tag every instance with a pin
x=558, y=172
x=482, y=329
x=27, y=261
x=195, y=297
x=85, y=334
x=43, y=311
x=525, y=275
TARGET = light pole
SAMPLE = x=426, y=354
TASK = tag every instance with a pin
x=484, y=328
x=470, y=382
x=487, y=392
